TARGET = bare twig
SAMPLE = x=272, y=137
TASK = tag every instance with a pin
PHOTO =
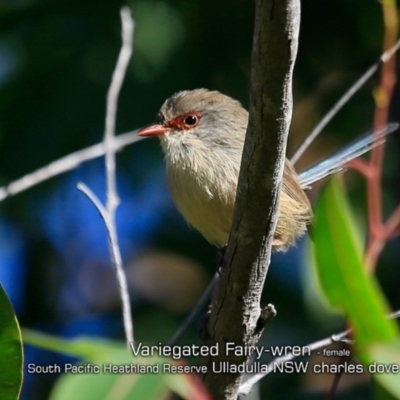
x=245, y=387
x=112, y=102
x=197, y=309
x=108, y=212
x=94, y=199
x=235, y=316
x=385, y=57
x=65, y=164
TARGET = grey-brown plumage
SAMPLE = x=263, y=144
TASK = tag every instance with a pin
x=202, y=135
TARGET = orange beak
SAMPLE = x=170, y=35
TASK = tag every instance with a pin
x=153, y=130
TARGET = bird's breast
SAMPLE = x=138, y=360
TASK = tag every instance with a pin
x=204, y=191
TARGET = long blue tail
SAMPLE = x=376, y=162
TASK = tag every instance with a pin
x=337, y=161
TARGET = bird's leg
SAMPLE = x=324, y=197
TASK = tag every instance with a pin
x=204, y=322
x=203, y=331
x=221, y=257
x=268, y=313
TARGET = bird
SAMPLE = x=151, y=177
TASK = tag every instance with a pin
x=202, y=136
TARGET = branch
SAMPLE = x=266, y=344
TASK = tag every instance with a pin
x=194, y=314
x=245, y=388
x=384, y=58
x=112, y=102
x=108, y=212
x=94, y=199
x=236, y=309
x=384, y=94
x=65, y=164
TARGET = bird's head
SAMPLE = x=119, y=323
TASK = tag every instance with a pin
x=199, y=119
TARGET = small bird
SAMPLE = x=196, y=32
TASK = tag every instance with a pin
x=202, y=135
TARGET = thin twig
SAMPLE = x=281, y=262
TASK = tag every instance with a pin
x=112, y=103
x=65, y=164
x=330, y=395
x=112, y=197
x=197, y=309
x=108, y=212
x=342, y=101
x=393, y=222
x=246, y=386
x=94, y=199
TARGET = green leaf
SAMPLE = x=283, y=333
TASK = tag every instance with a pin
x=385, y=366
x=150, y=385
x=103, y=384
x=88, y=348
x=186, y=387
x=109, y=386
x=337, y=257
x=337, y=254
x=10, y=351
x=379, y=392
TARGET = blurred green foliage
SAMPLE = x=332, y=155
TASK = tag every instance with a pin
x=104, y=355
x=338, y=260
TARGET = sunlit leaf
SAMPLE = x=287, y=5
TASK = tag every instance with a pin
x=10, y=351
x=112, y=372
x=385, y=366
x=339, y=263
x=89, y=349
x=337, y=254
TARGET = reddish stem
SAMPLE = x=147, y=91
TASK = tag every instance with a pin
x=379, y=232
x=361, y=166
x=392, y=225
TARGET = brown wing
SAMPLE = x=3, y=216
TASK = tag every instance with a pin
x=294, y=211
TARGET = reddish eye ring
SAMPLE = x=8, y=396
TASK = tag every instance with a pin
x=184, y=122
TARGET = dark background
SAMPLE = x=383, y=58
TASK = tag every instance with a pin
x=56, y=61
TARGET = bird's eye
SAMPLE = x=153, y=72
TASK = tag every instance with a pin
x=191, y=120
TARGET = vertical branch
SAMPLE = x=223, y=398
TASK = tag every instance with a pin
x=353, y=89
x=65, y=164
x=112, y=104
x=384, y=94
x=107, y=212
x=112, y=196
x=236, y=314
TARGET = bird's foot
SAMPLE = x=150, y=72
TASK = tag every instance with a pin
x=204, y=332
x=268, y=313
x=221, y=257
